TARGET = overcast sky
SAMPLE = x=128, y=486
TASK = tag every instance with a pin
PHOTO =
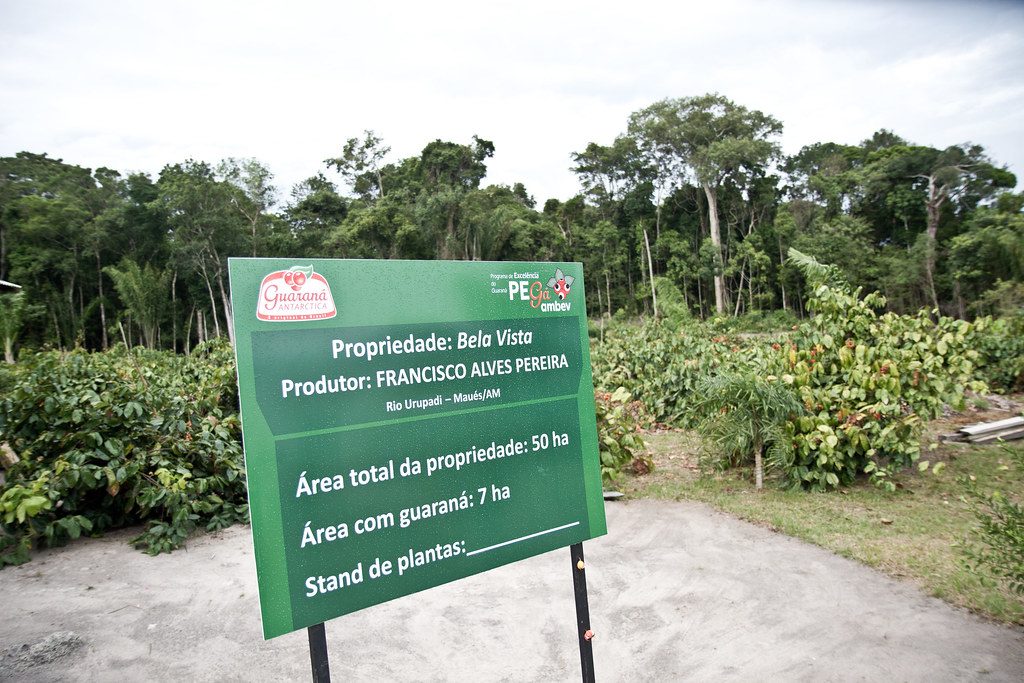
x=137, y=85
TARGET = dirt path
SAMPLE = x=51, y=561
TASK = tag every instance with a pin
x=677, y=592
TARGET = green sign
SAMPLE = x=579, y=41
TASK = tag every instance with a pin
x=409, y=423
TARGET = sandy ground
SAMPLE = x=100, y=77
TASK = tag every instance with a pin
x=677, y=591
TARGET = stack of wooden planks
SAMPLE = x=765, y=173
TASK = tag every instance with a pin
x=989, y=432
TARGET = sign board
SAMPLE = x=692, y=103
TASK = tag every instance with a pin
x=409, y=423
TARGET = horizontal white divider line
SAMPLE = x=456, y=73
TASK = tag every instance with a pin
x=522, y=538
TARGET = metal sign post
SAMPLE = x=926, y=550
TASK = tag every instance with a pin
x=318, y=653
x=586, y=636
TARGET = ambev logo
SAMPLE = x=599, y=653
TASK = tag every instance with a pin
x=539, y=297
x=298, y=293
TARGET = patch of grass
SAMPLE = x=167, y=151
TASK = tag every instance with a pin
x=914, y=533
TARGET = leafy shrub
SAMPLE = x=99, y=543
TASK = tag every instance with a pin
x=663, y=366
x=754, y=322
x=746, y=417
x=998, y=544
x=619, y=441
x=866, y=381
x=672, y=306
x=1001, y=345
x=119, y=438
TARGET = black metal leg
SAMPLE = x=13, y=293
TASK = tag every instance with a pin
x=579, y=584
x=318, y=654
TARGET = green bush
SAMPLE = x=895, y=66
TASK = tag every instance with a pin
x=755, y=322
x=618, y=436
x=997, y=548
x=1001, y=345
x=663, y=366
x=866, y=382
x=119, y=438
x=746, y=418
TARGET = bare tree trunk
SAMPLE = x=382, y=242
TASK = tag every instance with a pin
x=657, y=221
x=650, y=267
x=56, y=327
x=936, y=197
x=103, y=309
x=174, y=311
x=213, y=301
x=929, y=271
x=629, y=272
x=71, y=310
x=750, y=289
x=608, y=291
x=961, y=312
x=700, y=297
x=449, y=237
x=226, y=301
x=716, y=240
x=782, y=281
x=758, y=467
x=188, y=333
x=739, y=296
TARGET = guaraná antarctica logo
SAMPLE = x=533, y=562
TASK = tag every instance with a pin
x=298, y=293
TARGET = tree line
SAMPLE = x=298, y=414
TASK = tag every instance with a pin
x=692, y=203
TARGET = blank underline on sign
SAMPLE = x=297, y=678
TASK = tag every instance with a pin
x=522, y=538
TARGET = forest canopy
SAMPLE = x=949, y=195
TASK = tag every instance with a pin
x=694, y=195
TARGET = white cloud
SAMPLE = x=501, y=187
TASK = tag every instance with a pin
x=135, y=86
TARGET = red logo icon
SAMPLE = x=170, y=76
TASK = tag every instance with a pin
x=561, y=283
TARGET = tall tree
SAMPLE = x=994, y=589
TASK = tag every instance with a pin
x=448, y=172
x=255, y=194
x=988, y=254
x=12, y=309
x=316, y=209
x=144, y=291
x=711, y=138
x=205, y=228
x=823, y=173
x=360, y=164
x=929, y=182
x=605, y=171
